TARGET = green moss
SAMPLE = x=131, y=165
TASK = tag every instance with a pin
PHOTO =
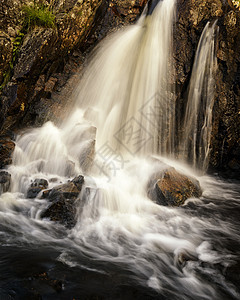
x=38, y=16
x=6, y=78
x=16, y=47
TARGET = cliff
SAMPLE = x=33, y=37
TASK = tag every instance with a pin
x=192, y=16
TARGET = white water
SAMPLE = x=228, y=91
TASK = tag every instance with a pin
x=195, y=140
x=127, y=82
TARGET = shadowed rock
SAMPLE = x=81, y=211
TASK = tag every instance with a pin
x=62, y=208
x=5, y=181
x=36, y=187
x=6, y=151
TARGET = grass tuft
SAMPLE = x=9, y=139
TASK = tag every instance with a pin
x=38, y=16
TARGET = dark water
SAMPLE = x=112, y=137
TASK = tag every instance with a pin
x=40, y=260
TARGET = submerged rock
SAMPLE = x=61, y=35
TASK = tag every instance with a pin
x=62, y=208
x=183, y=257
x=171, y=188
x=36, y=187
x=5, y=181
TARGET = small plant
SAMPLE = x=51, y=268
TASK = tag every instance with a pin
x=16, y=46
x=38, y=16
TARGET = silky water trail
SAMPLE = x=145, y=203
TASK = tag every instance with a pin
x=196, y=139
x=123, y=245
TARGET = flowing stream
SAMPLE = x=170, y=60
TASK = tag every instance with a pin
x=123, y=246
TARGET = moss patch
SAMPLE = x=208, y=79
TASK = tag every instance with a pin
x=38, y=16
x=16, y=47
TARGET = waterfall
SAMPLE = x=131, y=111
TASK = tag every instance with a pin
x=130, y=95
x=125, y=111
x=197, y=128
x=125, y=94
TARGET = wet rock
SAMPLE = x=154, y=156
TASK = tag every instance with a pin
x=127, y=10
x=234, y=165
x=62, y=199
x=34, y=51
x=171, y=188
x=6, y=151
x=232, y=272
x=86, y=160
x=183, y=257
x=62, y=211
x=49, y=86
x=36, y=187
x=45, y=62
x=70, y=169
x=78, y=182
x=46, y=281
x=5, y=181
x=6, y=48
x=43, y=52
x=87, y=156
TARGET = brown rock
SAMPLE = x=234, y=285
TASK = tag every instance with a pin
x=171, y=188
x=6, y=48
x=6, y=151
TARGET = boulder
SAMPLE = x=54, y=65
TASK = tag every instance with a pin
x=171, y=188
x=36, y=187
x=62, y=198
x=5, y=181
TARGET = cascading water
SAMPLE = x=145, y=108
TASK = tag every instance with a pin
x=131, y=87
x=166, y=253
x=198, y=117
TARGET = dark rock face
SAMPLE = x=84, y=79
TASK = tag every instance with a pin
x=48, y=57
x=6, y=151
x=172, y=188
x=5, y=182
x=36, y=187
x=62, y=199
x=6, y=48
x=43, y=52
x=192, y=16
